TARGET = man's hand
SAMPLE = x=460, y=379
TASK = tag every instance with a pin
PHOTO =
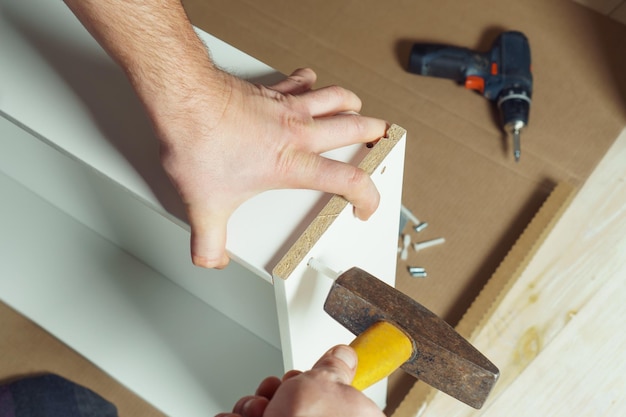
x=225, y=140
x=323, y=391
x=265, y=138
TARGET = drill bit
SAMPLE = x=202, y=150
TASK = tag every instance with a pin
x=517, y=152
x=515, y=126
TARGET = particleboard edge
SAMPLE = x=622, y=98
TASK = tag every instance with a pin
x=505, y=276
x=334, y=207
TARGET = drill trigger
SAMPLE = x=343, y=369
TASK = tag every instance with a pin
x=475, y=82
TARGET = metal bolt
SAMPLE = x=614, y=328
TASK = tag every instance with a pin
x=428, y=243
x=420, y=227
x=409, y=214
x=417, y=272
x=406, y=243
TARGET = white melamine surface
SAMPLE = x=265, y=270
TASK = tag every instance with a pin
x=57, y=81
x=121, y=218
x=94, y=244
x=176, y=352
x=348, y=242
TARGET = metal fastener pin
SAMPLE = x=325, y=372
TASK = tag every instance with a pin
x=417, y=272
x=428, y=243
x=406, y=243
x=420, y=227
x=409, y=214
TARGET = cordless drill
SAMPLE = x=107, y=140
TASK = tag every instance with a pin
x=501, y=74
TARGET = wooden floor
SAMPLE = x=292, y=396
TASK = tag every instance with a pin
x=559, y=330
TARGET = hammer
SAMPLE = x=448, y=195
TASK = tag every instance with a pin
x=394, y=331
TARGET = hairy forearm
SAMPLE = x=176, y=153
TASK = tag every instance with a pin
x=154, y=43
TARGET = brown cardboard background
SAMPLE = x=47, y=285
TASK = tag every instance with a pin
x=459, y=175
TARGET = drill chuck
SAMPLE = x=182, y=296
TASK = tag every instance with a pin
x=514, y=106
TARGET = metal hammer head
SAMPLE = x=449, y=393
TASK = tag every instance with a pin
x=441, y=357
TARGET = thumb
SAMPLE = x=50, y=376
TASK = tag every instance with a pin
x=338, y=364
x=208, y=237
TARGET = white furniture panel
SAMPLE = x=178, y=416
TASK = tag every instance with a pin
x=95, y=246
x=347, y=242
x=173, y=350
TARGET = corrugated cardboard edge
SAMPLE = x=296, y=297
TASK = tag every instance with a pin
x=334, y=207
x=505, y=276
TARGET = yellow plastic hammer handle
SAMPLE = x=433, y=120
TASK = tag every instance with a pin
x=381, y=349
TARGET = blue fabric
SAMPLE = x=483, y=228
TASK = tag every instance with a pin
x=7, y=407
x=51, y=396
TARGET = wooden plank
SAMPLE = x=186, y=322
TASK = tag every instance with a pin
x=582, y=371
x=551, y=331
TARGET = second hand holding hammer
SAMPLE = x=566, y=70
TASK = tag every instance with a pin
x=394, y=331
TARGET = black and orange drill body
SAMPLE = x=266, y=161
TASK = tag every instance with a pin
x=502, y=74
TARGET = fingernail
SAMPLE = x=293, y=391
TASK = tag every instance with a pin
x=346, y=355
x=247, y=406
x=252, y=407
x=210, y=262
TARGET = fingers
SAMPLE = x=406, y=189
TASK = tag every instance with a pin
x=300, y=81
x=345, y=129
x=321, y=102
x=330, y=100
x=355, y=186
x=208, y=237
x=267, y=388
x=291, y=374
x=255, y=405
x=332, y=133
x=337, y=365
x=251, y=406
x=303, y=123
x=311, y=171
